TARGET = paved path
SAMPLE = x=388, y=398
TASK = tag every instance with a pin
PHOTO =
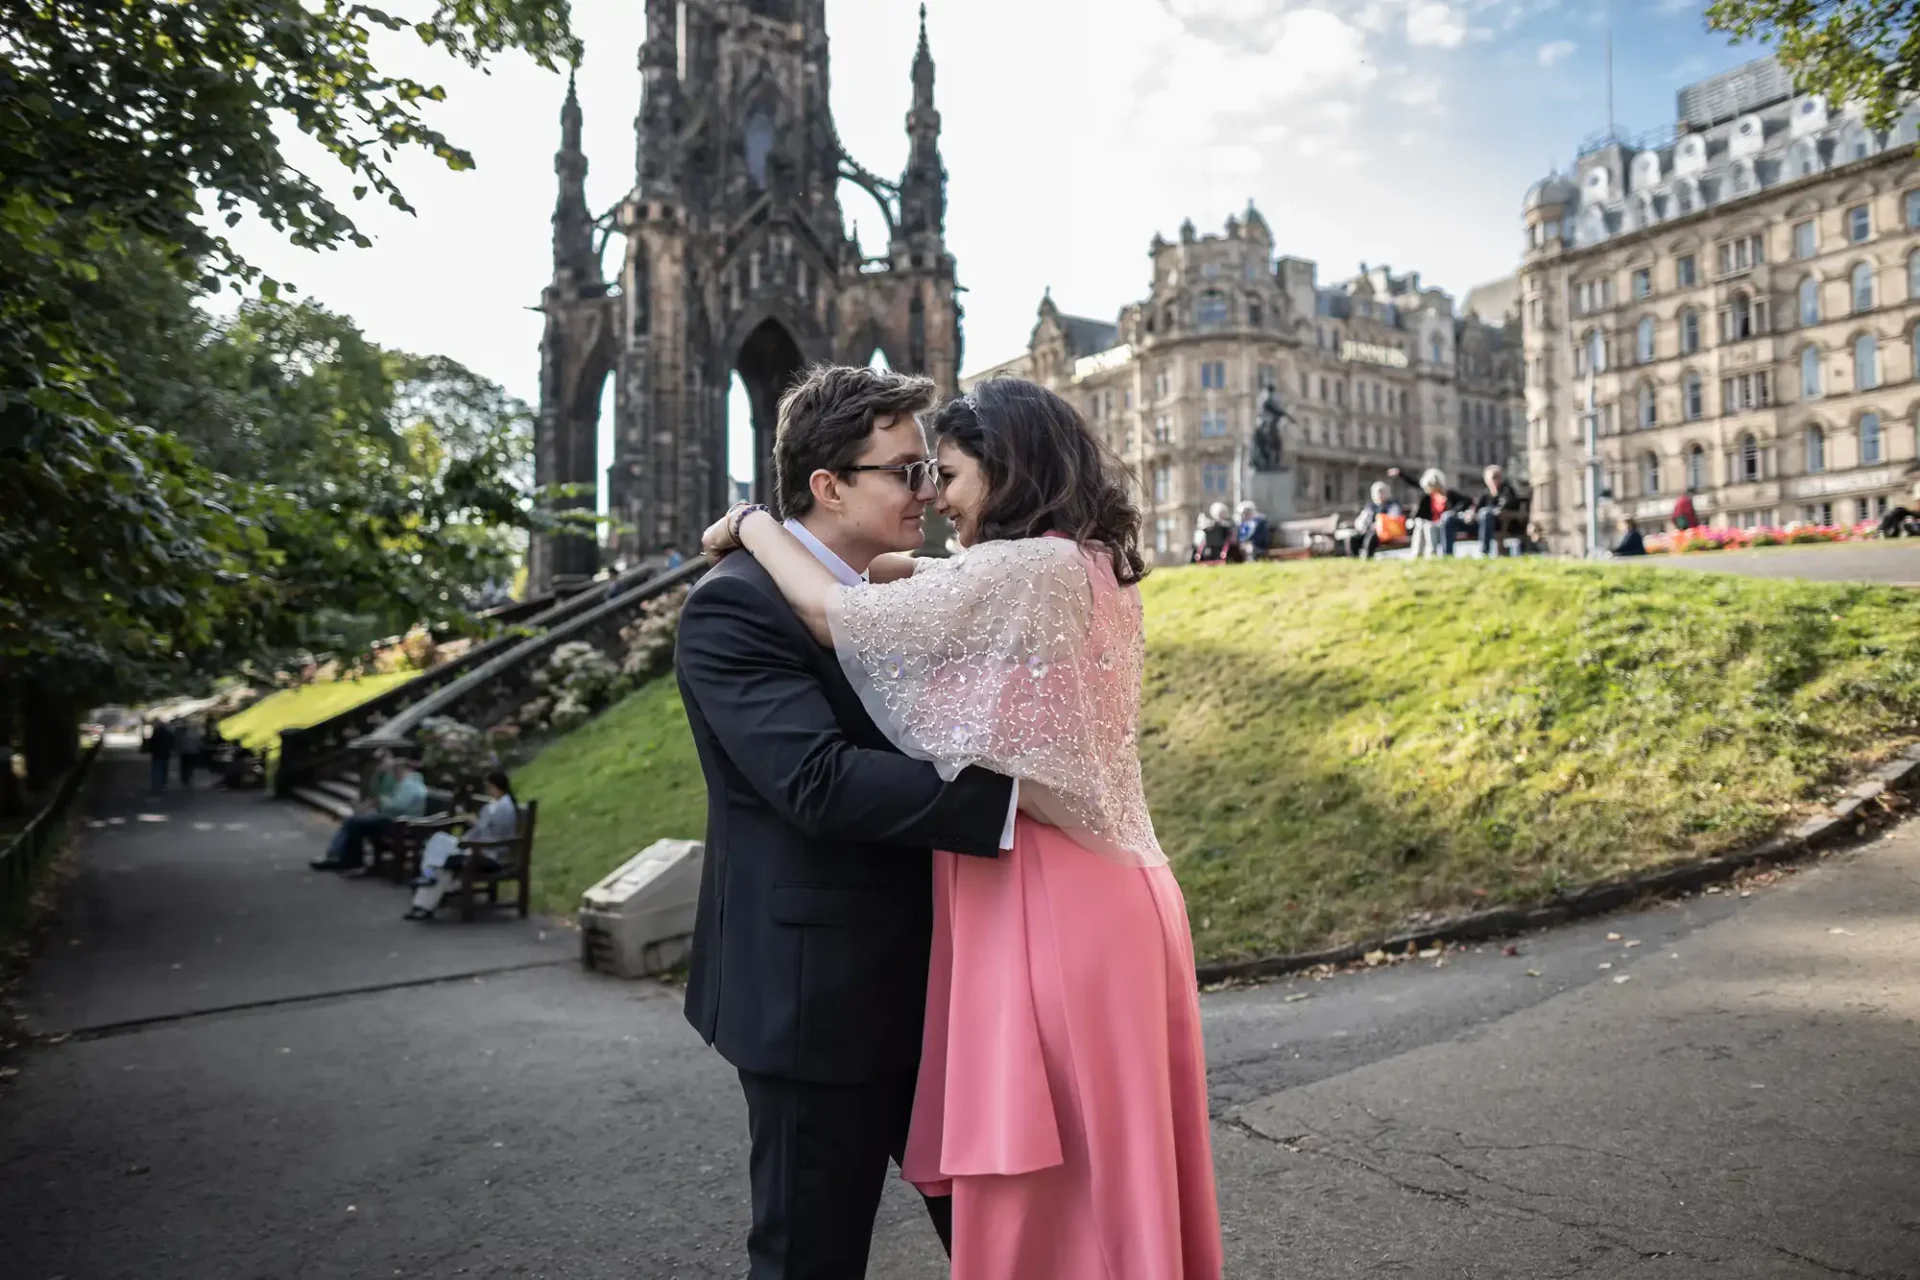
x=393, y=1100
x=1895, y=562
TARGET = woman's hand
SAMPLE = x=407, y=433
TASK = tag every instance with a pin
x=718, y=540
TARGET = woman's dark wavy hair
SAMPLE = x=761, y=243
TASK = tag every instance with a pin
x=1046, y=471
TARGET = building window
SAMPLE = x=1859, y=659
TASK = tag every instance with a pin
x=1213, y=422
x=1862, y=288
x=1816, y=451
x=1211, y=311
x=1325, y=395
x=1810, y=373
x=1649, y=474
x=1866, y=363
x=1743, y=318
x=1648, y=407
x=1689, y=332
x=1213, y=374
x=1253, y=315
x=1164, y=534
x=1163, y=430
x=1162, y=483
x=1160, y=386
x=1745, y=391
x=1803, y=239
x=1642, y=283
x=1741, y=254
x=1696, y=469
x=1438, y=349
x=1686, y=272
x=1913, y=209
x=1691, y=397
x=1859, y=224
x=1810, y=301
x=1305, y=386
x=1749, y=458
x=1215, y=478
x=1643, y=340
x=1869, y=439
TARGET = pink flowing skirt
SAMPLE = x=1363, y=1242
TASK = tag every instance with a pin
x=1062, y=1097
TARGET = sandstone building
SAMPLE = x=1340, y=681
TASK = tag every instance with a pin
x=1376, y=371
x=737, y=260
x=1744, y=291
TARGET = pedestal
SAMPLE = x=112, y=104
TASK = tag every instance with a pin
x=1272, y=492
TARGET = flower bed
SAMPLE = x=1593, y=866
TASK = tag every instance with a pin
x=1689, y=541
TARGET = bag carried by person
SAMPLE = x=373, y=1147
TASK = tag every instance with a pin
x=1391, y=527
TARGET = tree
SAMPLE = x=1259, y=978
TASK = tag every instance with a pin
x=122, y=553
x=1848, y=50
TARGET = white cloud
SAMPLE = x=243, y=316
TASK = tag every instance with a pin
x=1433, y=22
x=1418, y=92
x=1556, y=51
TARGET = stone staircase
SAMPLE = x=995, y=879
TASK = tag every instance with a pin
x=334, y=796
x=322, y=764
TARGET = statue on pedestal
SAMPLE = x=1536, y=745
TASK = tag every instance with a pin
x=1267, y=448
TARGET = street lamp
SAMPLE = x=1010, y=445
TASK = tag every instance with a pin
x=1594, y=348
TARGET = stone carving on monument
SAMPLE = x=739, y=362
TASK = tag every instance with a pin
x=737, y=260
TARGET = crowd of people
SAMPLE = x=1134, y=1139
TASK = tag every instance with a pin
x=194, y=743
x=1437, y=516
x=1219, y=538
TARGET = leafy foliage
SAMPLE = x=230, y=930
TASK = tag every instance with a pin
x=1861, y=51
x=176, y=494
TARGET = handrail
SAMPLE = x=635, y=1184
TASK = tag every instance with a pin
x=306, y=751
x=29, y=844
x=461, y=693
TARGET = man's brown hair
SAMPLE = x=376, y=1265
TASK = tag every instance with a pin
x=825, y=419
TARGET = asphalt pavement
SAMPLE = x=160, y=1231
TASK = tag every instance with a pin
x=246, y=1069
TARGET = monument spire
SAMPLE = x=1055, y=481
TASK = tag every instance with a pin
x=574, y=261
x=923, y=188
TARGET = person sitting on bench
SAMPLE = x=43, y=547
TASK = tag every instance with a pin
x=496, y=825
x=406, y=798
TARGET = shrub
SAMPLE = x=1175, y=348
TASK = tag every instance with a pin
x=650, y=638
x=455, y=755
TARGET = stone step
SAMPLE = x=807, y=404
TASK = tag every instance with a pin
x=325, y=801
x=342, y=788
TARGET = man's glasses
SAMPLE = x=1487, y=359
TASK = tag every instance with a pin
x=918, y=475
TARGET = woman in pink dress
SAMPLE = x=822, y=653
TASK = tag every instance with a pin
x=1062, y=1091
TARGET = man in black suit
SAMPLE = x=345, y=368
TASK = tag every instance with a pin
x=809, y=966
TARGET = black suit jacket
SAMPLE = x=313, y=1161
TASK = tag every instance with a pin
x=816, y=901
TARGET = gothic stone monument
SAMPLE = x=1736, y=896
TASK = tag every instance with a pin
x=737, y=260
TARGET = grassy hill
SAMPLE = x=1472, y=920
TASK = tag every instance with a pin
x=1333, y=748
x=260, y=724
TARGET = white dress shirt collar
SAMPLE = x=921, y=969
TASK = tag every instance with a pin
x=825, y=555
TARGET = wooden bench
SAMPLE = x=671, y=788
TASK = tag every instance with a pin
x=511, y=863
x=395, y=854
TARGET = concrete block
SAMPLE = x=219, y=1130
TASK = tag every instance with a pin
x=1872, y=789
x=1817, y=833
x=639, y=920
x=1847, y=809
x=1899, y=775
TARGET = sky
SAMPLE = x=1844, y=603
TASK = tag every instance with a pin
x=1397, y=132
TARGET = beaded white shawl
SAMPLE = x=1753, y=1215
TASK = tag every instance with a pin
x=1021, y=656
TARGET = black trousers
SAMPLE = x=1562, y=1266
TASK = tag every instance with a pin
x=820, y=1154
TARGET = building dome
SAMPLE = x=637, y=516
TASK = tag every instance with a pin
x=1550, y=191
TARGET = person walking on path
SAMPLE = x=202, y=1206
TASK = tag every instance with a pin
x=159, y=747
x=189, y=744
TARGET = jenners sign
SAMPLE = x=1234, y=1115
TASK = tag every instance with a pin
x=1373, y=353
